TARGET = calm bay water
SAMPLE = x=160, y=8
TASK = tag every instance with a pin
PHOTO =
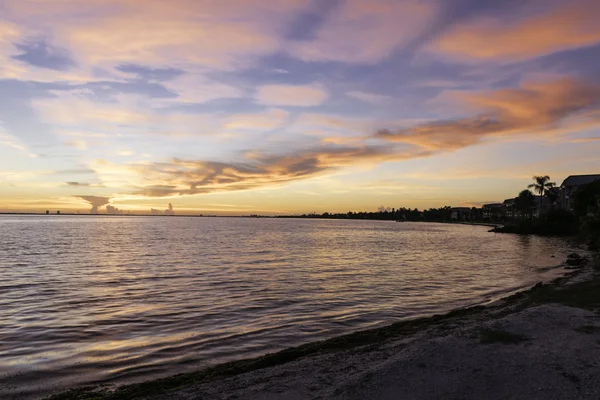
x=88, y=300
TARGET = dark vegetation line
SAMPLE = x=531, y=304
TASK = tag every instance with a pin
x=525, y=214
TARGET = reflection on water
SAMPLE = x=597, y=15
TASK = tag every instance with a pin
x=119, y=299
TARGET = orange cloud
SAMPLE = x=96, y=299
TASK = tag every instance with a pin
x=570, y=25
x=184, y=177
x=533, y=108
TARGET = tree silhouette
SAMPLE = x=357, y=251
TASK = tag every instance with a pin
x=540, y=185
x=587, y=199
x=525, y=202
x=552, y=196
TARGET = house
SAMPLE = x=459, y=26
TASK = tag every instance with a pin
x=551, y=198
x=460, y=213
x=509, y=208
x=493, y=211
x=570, y=186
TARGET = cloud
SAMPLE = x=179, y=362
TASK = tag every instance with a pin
x=533, y=108
x=148, y=73
x=83, y=184
x=113, y=210
x=78, y=144
x=292, y=95
x=366, y=31
x=270, y=119
x=168, y=211
x=585, y=140
x=571, y=24
x=8, y=141
x=185, y=177
x=211, y=33
x=74, y=109
x=39, y=53
x=368, y=97
x=195, y=87
x=123, y=114
x=95, y=201
x=332, y=122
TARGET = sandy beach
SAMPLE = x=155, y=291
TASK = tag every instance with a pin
x=540, y=344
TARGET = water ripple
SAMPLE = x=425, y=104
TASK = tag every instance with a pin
x=88, y=300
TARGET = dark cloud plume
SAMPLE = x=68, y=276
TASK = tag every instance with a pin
x=96, y=202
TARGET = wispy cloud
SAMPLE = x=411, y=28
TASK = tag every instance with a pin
x=585, y=140
x=270, y=119
x=186, y=177
x=373, y=98
x=292, y=95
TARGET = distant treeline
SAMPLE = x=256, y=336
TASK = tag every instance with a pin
x=400, y=214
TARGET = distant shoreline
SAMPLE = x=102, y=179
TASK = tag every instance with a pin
x=129, y=215
x=488, y=224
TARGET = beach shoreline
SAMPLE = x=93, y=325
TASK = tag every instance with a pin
x=323, y=369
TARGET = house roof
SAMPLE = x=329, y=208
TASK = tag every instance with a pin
x=578, y=180
x=492, y=205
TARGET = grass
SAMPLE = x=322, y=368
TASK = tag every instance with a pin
x=501, y=336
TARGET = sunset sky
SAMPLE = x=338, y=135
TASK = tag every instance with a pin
x=292, y=106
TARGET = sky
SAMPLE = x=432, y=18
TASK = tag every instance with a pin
x=292, y=106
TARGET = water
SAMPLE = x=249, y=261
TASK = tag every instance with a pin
x=88, y=300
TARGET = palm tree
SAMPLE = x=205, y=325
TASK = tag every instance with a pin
x=540, y=185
